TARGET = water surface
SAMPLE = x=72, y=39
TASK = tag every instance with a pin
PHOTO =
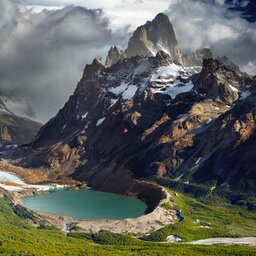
x=87, y=204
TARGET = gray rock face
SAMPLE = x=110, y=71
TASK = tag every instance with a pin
x=229, y=63
x=15, y=128
x=196, y=58
x=155, y=35
x=114, y=55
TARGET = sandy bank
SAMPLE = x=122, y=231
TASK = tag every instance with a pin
x=154, y=195
x=154, y=220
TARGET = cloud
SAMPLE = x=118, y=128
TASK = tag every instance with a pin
x=120, y=12
x=250, y=67
x=200, y=24
x=42, y=55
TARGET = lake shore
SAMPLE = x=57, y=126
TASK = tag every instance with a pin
x=152, y=221
x=157, y=216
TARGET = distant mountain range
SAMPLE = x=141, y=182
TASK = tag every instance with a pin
x=150, y=111
x=16, y=126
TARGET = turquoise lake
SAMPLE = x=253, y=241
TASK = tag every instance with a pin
x=87, y=204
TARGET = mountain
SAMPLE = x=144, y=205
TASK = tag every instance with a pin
x=149, y=116
x=114, y=55
x=155, y=35
x=196, y=59
x=15, y=129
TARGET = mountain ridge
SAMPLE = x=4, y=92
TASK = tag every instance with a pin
x=151, y=117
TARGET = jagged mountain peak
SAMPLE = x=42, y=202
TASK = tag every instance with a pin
x=196, y=59
x=229, y=63
x=220, y=80
x=91, y=69
x=162, y=19
x=153, y=36
x=114, y=55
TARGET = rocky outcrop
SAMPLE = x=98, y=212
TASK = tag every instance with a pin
x=155, y=35
x=218, y=81
x=196, y=58
x=17, y=130
x=114, y=55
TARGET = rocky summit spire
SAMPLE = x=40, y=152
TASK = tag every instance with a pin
x=114, y=55
x=155, y=35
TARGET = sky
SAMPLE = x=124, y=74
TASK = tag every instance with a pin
x=45, y=44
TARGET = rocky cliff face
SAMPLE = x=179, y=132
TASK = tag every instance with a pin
x=196, y=59
x=155, y=35
x=15, y=129
x=149, y=116
x=114, y=55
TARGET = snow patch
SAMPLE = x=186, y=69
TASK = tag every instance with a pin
x=9, y=177
x=119, y=89
x=143, y=67
x=125, y=90
x=176, y=88
x=84, y=116
x=100, y=121
x=166, y=71
x=6, y=177
x=244, y=95
x=112, y=103
x=129, y=92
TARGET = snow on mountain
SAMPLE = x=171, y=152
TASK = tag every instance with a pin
x=155, y=116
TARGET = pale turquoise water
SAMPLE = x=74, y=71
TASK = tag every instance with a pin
x=87, y=204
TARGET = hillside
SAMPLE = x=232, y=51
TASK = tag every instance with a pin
x=148, y=114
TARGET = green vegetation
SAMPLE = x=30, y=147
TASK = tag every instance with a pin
x=17, y=237
x=23, y=213
x=107, y=238
x=207, y=220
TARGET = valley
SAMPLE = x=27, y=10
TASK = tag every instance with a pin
x=153, y=154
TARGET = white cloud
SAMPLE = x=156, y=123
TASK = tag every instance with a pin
x=199, y=24
x=220, y=32
x=42, y=54
x=250, y=67
x=120, y=12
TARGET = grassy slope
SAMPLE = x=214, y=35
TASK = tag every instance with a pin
x=221, y=221
x=19, y=238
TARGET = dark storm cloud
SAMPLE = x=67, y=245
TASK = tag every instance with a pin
x=42, y=55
